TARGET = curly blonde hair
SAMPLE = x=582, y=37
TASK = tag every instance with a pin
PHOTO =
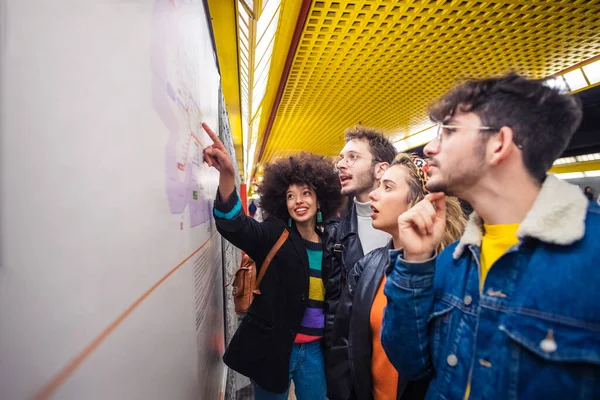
x=455, y=218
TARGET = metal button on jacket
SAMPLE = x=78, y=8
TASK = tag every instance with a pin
x=452, y=360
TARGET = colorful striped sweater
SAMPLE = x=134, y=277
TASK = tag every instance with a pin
x=312, y=326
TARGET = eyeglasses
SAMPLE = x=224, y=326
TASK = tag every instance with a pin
x=350, y=159
x=446, y=130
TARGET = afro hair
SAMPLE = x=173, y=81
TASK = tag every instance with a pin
x=300, y=169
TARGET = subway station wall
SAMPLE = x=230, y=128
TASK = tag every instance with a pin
x=111, y=269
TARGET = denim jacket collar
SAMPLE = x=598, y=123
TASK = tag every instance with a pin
x=557, y=216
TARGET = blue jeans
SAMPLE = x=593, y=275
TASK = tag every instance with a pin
x=308, y=372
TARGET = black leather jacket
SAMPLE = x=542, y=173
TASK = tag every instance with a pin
x=341, y=249
x=352, y=334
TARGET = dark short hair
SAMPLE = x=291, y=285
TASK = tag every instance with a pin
x=381, y=148
x=543, y=120
x=300, y=169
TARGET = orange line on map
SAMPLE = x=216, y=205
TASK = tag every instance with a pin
x=198, y=140
x=68, y=370
x=187, y=150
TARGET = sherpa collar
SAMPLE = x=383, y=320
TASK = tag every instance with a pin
x=557, y=216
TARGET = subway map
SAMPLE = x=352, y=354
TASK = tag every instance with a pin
x=185, y=93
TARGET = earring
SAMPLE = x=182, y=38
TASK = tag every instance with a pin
x=290, y=222
x=319, y=216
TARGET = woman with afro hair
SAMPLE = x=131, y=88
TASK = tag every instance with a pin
x=279, y=338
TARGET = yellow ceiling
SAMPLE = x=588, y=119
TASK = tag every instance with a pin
x=380, y=62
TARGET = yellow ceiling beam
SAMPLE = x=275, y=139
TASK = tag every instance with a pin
x=578, y=167
x=223, y=14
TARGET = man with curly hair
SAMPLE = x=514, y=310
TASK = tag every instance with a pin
x=361, y=164
x=510, y=311
x=279, y=339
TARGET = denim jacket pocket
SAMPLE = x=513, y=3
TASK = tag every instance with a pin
x=439, y=326
x=549, y=359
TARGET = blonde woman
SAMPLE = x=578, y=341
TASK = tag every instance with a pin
x=367, y=371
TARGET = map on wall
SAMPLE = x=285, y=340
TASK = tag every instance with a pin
x=185, y=94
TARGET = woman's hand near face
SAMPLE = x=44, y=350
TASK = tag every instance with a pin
x=421, y=227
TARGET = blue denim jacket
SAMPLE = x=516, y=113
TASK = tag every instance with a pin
x=533, y=332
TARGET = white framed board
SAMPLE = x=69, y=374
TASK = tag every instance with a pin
x=111, y=279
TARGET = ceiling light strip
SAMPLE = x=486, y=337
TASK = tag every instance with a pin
x=573, y=79
x=302, y=16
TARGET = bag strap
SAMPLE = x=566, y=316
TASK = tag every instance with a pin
x=265, y=265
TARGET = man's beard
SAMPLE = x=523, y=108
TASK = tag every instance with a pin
x=434, y=187
x=456, y=184
x=468, y=175
x=364, y=184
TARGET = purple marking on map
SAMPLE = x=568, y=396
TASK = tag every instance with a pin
x=179, y=194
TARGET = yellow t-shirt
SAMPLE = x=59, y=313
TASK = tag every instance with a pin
x=496, y=240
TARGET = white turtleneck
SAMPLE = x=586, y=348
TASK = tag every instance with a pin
x=370, y=238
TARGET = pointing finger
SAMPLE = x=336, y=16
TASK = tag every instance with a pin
x=440, y=207
x=427, y=206
x=213, y=136
x=433, y=197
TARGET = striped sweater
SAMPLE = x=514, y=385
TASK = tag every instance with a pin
x=312, y=326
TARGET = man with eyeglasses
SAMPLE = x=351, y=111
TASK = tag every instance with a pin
x=512, y=310
x=361, y=164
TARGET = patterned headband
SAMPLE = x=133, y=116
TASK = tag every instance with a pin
x=422, y=169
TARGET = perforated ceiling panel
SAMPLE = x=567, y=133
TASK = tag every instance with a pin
x=380, y=62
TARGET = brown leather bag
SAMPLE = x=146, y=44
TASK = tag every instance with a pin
x=245, y=282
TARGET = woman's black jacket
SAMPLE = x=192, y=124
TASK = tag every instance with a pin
x=260, y=349
x=348, y=368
